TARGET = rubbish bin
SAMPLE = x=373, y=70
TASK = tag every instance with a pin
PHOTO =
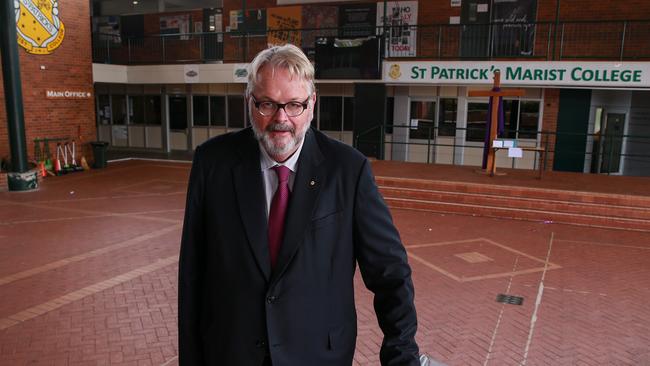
x=99, y=153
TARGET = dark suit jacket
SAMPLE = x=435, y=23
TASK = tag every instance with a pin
x=233, y=309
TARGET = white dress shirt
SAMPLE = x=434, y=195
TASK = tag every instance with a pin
x=269, y=176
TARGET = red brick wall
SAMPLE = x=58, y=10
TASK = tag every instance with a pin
x=549, y=123
x=69, y=67
x=591, y=9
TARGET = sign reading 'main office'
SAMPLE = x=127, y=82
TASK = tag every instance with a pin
x=39, y=29
x=576, y=74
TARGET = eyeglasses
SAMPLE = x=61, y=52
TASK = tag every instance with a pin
x=292, y=109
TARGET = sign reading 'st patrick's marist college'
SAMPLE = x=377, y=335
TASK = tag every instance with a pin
x=39, y=29
x=557, y=74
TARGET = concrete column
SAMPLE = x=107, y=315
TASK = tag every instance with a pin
x=401, y=117
x=461, y=123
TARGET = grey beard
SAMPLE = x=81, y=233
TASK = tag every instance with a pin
x=269, y=144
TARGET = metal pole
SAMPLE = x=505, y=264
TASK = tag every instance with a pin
x=623, y=40
x=557, y=25
x=19, y=180
x=385, y=32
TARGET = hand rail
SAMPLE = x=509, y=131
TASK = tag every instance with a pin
x=572, y=40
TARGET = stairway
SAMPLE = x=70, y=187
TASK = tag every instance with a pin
x=523, y=203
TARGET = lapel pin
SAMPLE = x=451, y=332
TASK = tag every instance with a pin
x=312, y=183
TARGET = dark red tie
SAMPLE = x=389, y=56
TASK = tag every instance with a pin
x=278, y=212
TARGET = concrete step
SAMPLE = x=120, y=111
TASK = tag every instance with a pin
x=516, y=202
x=516, y=191
x=520, y=214
x=536, y=204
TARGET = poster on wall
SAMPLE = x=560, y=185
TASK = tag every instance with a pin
x=357, y=20
x=318, y=21
x=174, y=24
x=254, y=22
x=514, y=34
x=401, y=19
x=281, y=22
x=236, y=18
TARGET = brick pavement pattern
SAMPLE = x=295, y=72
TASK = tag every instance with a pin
x=88, y=271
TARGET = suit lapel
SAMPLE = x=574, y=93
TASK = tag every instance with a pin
x=249, y=188
x=305, y=191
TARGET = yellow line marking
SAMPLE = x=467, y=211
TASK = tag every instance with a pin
x=94, y=253
x=48, y=306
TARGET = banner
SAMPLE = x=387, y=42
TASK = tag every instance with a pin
x=524, y=73
x=516, y=37
x=358, y=20
x=284, y=19
x=401, y=20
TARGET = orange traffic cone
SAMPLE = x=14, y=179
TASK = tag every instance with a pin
x=84, y=163
x=57, y=167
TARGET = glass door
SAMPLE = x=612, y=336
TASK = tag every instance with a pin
x=178, y=122
x=613, y=143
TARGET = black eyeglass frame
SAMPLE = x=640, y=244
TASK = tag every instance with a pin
x=256, y=103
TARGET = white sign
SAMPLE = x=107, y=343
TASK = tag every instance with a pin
x=67, y=94
x=240, y=73
x=402, y=20
x=515, y=152
x=191, y=73
x=525, y=73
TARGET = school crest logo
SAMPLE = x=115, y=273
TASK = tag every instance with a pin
x=395, y=71
x=40, y=31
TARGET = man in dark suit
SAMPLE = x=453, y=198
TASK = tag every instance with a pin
x=278, y=216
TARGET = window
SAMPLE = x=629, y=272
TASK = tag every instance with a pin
x=390, y=110
x=510, y=115
x=218, y=111
x=104, y=109
x=119, y=109
x=476, y=121
x=152, y=112
x=528, y=119
x=200, y=110
x=421, y=122
x=236, y=117
x=521, y=118
x=136, y=109
x=330, y=114
x=447, y=117
x=348, y=114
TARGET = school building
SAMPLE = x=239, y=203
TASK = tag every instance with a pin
x=394, y=78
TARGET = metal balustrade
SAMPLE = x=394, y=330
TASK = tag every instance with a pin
x=602, y=153
x=596, y=40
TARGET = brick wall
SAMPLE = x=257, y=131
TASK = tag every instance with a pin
x=69, y=67
x=549, y=123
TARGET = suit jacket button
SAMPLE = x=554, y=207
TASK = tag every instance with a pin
x=260, y=344
x=271, y=299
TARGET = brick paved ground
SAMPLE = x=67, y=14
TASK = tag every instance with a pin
x=88, y=270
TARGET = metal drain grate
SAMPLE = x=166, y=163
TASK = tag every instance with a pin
x=510, y=299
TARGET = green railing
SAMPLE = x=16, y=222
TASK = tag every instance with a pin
x=594, y=153
x=568, y=40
